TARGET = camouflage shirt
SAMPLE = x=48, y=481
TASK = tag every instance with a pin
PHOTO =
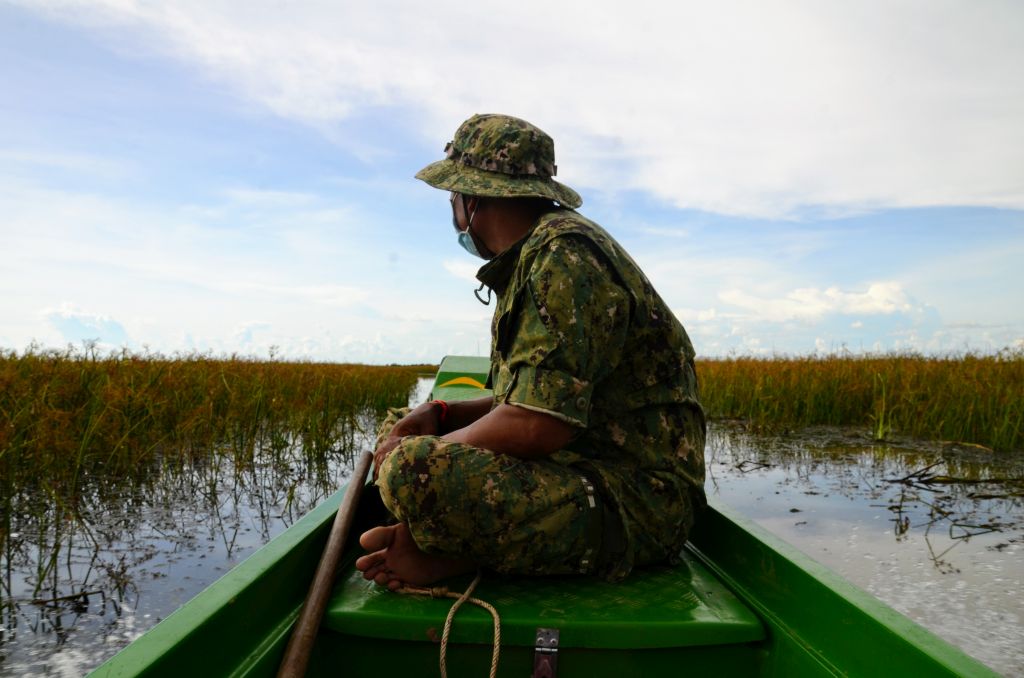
x=580, y=334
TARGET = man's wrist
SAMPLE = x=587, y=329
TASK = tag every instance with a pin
x=440, y=408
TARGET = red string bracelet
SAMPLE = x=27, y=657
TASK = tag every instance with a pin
x=444, y=410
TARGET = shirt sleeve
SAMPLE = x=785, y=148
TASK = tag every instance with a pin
x=571, y=331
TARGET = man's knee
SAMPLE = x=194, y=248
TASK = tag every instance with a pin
x=422, y=483
x=411, y=477
x=392, y=417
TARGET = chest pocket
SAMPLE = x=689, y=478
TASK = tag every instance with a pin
x=505, y=326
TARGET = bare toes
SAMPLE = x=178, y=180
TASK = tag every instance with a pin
x=370, y=561
x=377, y=538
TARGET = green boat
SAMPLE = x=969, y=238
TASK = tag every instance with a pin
x=740, y=603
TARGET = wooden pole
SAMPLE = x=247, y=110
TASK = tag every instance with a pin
x=296, y=655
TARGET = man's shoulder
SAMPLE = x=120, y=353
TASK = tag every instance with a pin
x=565, y=221
x=566, y=224
x=581, y=235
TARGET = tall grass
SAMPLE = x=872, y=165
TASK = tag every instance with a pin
x=968, y=398
x=66, y=414
x=94, y=447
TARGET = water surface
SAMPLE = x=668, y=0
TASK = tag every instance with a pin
x=87, y=581
x=81, y=582
x=946, y=554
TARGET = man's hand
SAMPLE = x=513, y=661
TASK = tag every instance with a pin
x=422, y=421
x=517, y=432
x=505, y=429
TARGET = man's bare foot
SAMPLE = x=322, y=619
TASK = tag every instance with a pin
x=395, y=560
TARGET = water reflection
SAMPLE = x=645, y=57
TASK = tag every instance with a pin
x=83, y=576
x=79, y=580
x=934, y=530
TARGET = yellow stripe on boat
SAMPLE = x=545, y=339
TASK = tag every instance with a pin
x=462, y=381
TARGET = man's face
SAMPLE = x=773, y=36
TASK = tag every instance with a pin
x=460, y=213
x=452, y=197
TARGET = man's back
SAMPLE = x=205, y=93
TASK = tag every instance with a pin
x=589, y=456
x=580, y=333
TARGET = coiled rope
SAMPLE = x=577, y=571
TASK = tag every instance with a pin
x=443, y=592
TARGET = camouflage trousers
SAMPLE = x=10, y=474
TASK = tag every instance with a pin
x=507, y=514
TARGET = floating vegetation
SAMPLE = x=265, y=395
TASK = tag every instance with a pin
x=117, y=471
x=968, y=399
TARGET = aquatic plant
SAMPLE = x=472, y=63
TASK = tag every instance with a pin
x=964, y=398
x=69, y=414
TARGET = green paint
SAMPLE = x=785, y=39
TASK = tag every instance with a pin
x=741, y=603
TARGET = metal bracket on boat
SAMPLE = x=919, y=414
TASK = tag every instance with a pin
x=545, y=654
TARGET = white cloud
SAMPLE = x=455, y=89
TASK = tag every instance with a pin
x=74, y=162
x=246, y=333
x=462, y=269
x=811, y=303
x=337, y=296
x=262, y=198
x=976, y=284
x=217, y=246
x=733, y=107
x=744, y=109
x=708, y=314
x=665, y=232
x=213, y=277
x=77, y=326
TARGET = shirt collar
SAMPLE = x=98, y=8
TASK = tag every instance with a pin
x=498, y=271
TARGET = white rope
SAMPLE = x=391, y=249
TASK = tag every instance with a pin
x=443, y=592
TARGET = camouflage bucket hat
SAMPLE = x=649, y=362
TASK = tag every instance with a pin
x=498, y=156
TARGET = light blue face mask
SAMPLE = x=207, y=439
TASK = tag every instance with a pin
x=464, y=237
x=466, y=241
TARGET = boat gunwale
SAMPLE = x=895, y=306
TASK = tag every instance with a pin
x=821, y=630
x=800, y=644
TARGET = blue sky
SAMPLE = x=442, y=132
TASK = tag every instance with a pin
x=237, y=177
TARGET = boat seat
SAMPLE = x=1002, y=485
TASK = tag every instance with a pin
x=660, y=607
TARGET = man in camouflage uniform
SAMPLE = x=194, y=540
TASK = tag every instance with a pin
x=589, y=457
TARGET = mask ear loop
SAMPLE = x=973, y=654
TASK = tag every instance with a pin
x=469, y=224
x=469, y=229
x=486, y=302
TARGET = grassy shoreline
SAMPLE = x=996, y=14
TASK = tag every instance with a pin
x=65, y=414
x=968, y=399
x=69, y=414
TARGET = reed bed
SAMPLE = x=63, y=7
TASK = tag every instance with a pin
x=967, y=398
x=65, y=415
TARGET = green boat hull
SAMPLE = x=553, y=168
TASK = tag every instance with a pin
x=740, y=603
